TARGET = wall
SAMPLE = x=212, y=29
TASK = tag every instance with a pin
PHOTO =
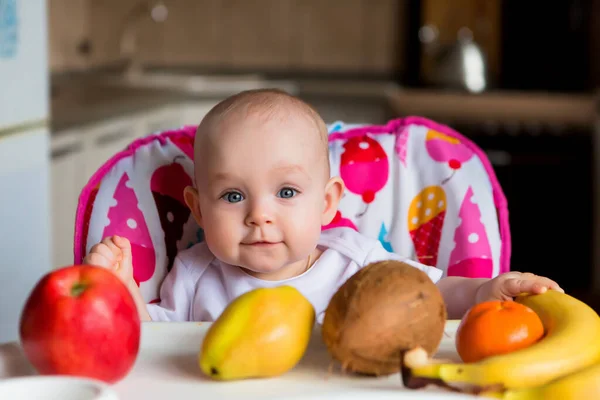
x=68, y=25
x=332, y=35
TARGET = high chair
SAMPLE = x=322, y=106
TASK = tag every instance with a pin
x=422, y=189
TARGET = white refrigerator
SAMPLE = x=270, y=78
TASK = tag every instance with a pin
x=24, y=157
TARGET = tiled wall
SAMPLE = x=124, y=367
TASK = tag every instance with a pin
x=355, y=35
x=68, y=25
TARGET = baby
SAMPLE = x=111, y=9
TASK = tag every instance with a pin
x=262, y=193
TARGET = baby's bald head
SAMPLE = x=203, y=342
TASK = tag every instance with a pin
x=262, y=175
x=266, y=105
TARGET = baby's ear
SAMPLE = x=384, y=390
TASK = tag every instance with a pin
x=333, y=193
x=190, y=194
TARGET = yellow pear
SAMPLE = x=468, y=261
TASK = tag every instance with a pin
x=261, y=333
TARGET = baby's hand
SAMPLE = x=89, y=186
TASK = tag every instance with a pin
x=113, y=253
x=512, y=284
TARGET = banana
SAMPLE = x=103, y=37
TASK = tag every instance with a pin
x=581, y=385
x=571, y=343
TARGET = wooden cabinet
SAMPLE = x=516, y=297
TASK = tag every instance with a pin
x=104, y=140
x=66, y=183
x=76, y=156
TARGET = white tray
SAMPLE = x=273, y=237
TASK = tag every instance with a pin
x=167, y=369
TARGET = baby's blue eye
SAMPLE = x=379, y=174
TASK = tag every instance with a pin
x=287, y=193
x=233, y=197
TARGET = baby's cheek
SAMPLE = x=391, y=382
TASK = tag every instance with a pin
x=306, y=230
x=219, y=233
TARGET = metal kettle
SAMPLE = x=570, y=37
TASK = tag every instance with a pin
x=458, y=65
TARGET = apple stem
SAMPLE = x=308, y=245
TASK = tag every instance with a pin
x=77, y=289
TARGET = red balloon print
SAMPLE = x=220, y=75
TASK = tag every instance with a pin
x=364, y=168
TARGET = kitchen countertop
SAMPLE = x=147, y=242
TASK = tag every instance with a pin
x=82, y=99
x=574, y=109
x=86, y=98
x=167, y=367
x=80, y=103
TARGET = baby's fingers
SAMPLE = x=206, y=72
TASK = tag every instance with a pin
x=514, y=287
x=547, y=284
x=123, y=245
x=99, y=260
x=104, y=255
x=537, y=285
x=113, y=247
x=555, y=286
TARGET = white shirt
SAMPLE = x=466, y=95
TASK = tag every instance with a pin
x=199, y=286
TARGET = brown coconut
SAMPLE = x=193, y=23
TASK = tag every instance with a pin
x=384, y=309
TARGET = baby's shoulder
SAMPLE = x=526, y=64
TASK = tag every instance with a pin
x=348, y=242
x=196, y=259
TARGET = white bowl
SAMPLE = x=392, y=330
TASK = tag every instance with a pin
x=55, y=388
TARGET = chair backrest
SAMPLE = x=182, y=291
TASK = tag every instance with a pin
x=421, y=188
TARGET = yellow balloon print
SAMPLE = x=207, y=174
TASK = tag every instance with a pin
x=428, y=204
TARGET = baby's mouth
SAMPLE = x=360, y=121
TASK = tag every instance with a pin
x=261, y=243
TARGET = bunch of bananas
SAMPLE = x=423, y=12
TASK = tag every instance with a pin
x=564, y=364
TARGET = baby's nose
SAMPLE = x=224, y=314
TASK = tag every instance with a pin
x=259, y=215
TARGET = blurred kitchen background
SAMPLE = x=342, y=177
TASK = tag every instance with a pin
x=520, y=78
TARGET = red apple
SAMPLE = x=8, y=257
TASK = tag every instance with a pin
x=81, y=320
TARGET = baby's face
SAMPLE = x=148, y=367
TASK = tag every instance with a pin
x=262, y=192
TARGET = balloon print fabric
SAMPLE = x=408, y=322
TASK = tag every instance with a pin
x=140, y=197
x=425, y=192
x=421, y=189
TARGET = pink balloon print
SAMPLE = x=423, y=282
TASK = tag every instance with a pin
x=401, y=146
x=339, y=221
x=472, y=255
x=364, y=168
x=126, y=219
x=447, y=149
